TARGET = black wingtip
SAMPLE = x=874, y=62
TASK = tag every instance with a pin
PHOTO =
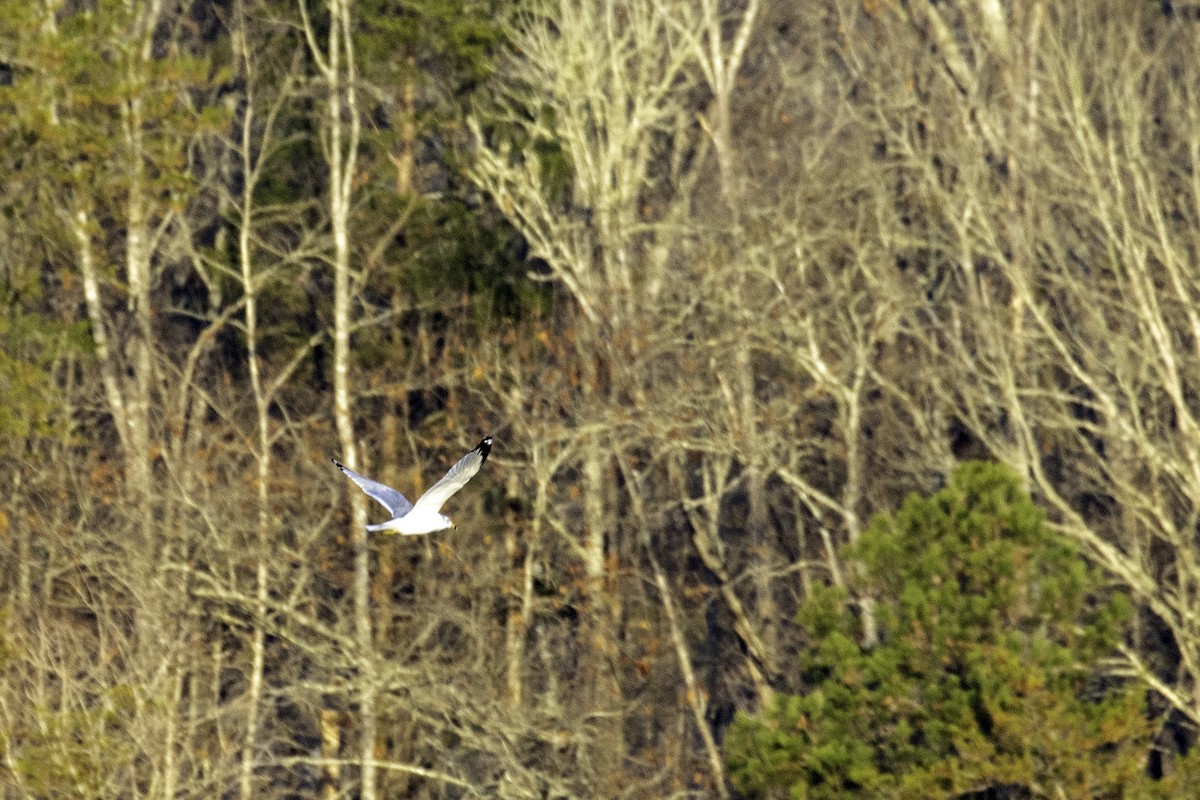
x=338, y=464
x=484, y=447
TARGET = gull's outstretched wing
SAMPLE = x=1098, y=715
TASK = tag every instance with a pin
x=387, y=497
x=455, y=479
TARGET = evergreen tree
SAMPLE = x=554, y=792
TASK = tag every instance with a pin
x=986, y=682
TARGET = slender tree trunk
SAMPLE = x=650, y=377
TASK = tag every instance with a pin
x=704, y=518
x=606, y=700
x=404, y=157
x=852, y=492
x=518, y=597
x=172, y=708
x=343, y=145
x=140, y=386
x=263, y=454
x=24, y=535
x=720, y=62
x=81, y=224
x=695, y=695
x=331, y=746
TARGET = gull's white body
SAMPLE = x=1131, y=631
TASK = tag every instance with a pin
x=423, y=516
x=414, y=523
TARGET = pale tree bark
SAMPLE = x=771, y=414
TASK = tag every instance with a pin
x=127, y=406
x=331, y=744
x=609, y=104
x=143, y=388
x=521, y=539
x=138, y=389
x=336, y=62
x=720, y=57
x=696, y=696
x=249, y=171
x=720, y=62
x=841, y=372
x=703, y=510
x=405, y=155
x=112, y=196
x=128, y=363
x=602, y=618
x=1068, y=328
x=81, y=228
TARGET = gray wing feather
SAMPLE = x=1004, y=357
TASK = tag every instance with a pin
x=456, y=478
x=386, y=496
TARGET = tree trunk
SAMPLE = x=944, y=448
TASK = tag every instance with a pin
x=263, y=458
x=343, y=145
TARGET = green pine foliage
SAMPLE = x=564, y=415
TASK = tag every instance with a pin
x=986, y=682
x=65, y=113
x=452, y=41
x=436, y=242
x=28, y=342
x=31, y=344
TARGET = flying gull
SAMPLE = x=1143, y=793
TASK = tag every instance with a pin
x=423, y=516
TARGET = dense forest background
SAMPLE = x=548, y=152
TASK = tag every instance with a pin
x=726, y=281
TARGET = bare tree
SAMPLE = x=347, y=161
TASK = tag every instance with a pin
x=611, y=109
x=1060, y=227
x=336, y=62
x=802, y=259
x=254, y=148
